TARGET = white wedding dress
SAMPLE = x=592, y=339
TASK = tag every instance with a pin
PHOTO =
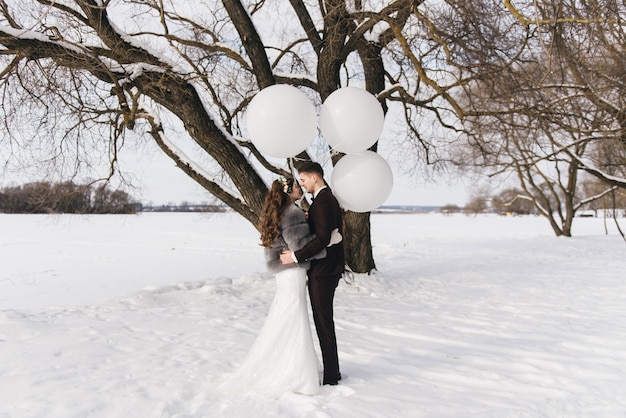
x=282, y=358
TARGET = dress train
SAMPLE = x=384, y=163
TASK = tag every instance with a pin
x=282, y=358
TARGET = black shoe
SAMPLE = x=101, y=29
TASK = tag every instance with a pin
x=333, y=382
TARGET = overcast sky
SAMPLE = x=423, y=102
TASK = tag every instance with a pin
x=161, y=182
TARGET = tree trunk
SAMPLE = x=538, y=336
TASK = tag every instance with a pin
x=554, y=224
x=356, y=226
x=357, y=243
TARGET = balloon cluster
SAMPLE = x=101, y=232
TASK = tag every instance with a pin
x=281, y=122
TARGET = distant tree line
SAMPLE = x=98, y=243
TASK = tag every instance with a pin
x=185, y=207
x=66, y=197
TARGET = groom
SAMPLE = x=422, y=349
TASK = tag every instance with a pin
x=324, y=274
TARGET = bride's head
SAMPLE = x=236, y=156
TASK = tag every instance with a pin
x=283, y=192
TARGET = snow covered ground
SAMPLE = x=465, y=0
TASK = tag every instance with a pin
x=142, y=316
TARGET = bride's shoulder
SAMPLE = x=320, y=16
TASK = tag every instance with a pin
x=293, y=214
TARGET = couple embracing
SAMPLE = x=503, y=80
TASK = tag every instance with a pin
x=283, y=359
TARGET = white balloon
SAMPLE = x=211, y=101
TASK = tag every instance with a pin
x=351, y=120
x=362, y=182
x=281, y=121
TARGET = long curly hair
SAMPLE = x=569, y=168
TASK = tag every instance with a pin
x=276, y=200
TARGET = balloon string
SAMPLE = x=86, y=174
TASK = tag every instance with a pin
x=348, y=277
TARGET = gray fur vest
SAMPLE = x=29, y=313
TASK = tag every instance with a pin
x=295, y=233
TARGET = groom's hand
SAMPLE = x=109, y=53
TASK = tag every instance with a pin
x=286, y=257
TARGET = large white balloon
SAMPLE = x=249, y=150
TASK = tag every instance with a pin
x=351, y=120
x=281, y=121
x=362, y=182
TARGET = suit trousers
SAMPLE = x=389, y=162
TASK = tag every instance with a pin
x=322, y=293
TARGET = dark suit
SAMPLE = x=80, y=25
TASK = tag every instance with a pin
x=324, y=274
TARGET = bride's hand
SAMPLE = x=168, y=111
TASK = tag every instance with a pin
x=286, y=258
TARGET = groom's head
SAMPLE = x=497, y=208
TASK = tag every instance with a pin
x=311, y=176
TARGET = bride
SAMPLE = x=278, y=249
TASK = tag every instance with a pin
x=282, y=359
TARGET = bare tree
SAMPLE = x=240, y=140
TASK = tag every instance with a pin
x=478, y=203
x=546, y=94
x=536, y=88
x=81, y=71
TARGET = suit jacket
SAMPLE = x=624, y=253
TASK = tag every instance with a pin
x=324, y=216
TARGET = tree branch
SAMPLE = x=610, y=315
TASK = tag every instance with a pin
x=251, y=42
x=307, y=24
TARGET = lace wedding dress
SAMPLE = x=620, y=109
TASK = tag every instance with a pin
x=282, y=359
